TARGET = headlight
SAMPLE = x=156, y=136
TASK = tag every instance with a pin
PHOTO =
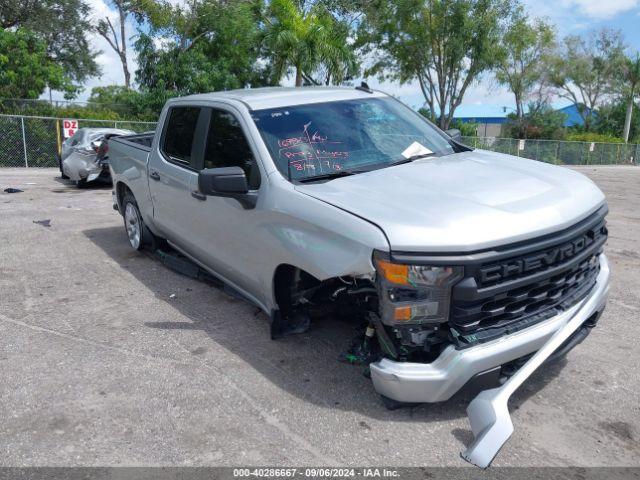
x=414, y=294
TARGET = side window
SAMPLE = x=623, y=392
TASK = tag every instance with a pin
x=179, y=133
x=227, y=146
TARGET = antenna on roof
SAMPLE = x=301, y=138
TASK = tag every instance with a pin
x=364, y=87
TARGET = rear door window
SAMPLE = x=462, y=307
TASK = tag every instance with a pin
x=180, y=131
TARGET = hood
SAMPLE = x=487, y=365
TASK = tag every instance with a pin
x=463, y=202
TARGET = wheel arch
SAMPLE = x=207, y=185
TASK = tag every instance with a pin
x=283, y=276
x=121, y=189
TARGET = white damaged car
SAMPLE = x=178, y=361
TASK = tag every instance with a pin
x=81, y=159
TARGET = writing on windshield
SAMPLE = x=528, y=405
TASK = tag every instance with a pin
x=312, y=152
x=317, y=139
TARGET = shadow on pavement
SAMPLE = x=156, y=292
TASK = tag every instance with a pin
x=303, y=365
x=98, y=184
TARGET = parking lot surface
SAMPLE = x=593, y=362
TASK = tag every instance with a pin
x=108, y=358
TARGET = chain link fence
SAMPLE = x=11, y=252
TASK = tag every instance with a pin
x=35, y=141
x=561, y=152
x=27, y=141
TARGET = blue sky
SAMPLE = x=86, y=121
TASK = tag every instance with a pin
x=484, y=98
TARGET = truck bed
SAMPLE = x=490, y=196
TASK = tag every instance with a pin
x=128, y=159
x=140, y=139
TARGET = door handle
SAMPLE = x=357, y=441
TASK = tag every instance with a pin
x=154, y=175
x=198, y=195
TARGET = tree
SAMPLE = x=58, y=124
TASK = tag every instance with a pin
x=62, y=26
x=201, y=48
x=540, y=121
x=586, y=68
x=25, y=68
x=307, y=41
x=117, y=40
x=443, y=44
x=631, y=81
x=128, y=103
x=523, y=58
x=612, y=117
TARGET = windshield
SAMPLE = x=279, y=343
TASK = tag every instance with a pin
x=312, y=140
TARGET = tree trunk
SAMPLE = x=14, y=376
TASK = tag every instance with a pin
x=123, y=43
x=298, y=77
x=125, y=69
x=522, y=133
x=443, y=120
x=627, y=119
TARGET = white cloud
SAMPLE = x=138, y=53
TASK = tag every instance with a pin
x=571, y=15
x=599, y=9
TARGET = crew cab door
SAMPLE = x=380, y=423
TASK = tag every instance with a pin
x=173, y=168
x=228, y=235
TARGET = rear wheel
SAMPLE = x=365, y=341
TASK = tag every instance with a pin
x=137, y=232
x=133, y=222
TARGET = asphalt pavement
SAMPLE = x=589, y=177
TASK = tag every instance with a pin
x=109, y=358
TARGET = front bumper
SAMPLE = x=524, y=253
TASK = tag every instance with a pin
x=439, y=380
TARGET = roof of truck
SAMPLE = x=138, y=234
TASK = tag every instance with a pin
x=274, y=97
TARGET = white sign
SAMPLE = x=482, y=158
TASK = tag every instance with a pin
x=592, y=147
x=69, y=127
x=521, y=145
x=415, y=148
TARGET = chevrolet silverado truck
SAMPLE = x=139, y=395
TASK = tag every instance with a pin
x=459, y=264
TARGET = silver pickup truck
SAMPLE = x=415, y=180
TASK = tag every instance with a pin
x=458, y=264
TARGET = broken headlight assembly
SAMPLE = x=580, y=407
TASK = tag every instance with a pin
x=414, y=294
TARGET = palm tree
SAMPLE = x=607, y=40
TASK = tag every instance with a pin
x=631, y=73
x=307, y=41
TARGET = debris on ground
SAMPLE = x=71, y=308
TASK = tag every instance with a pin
x=173, y=295
x=45, y=223
x=361, y=351
x=12, y=190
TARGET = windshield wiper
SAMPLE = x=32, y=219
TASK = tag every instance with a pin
x=329, y=176
x=410, y=159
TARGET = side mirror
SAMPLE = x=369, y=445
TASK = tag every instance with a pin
x=455, y=134
x=228, y=182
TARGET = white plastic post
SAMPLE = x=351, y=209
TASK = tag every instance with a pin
x=24, y=143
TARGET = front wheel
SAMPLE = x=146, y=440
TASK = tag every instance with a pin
x=133, y=222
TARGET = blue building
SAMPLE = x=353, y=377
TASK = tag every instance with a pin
x=491, y=125
x=573, y=116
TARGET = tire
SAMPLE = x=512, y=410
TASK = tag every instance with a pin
x=62, y=175
x=137, y=232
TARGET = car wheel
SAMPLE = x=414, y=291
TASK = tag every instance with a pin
x=62, y=175
x=133, y=222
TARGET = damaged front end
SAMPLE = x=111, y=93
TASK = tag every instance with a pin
x=427, y=330
x=414, y=302
x=301, y=297
x=400, y=311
